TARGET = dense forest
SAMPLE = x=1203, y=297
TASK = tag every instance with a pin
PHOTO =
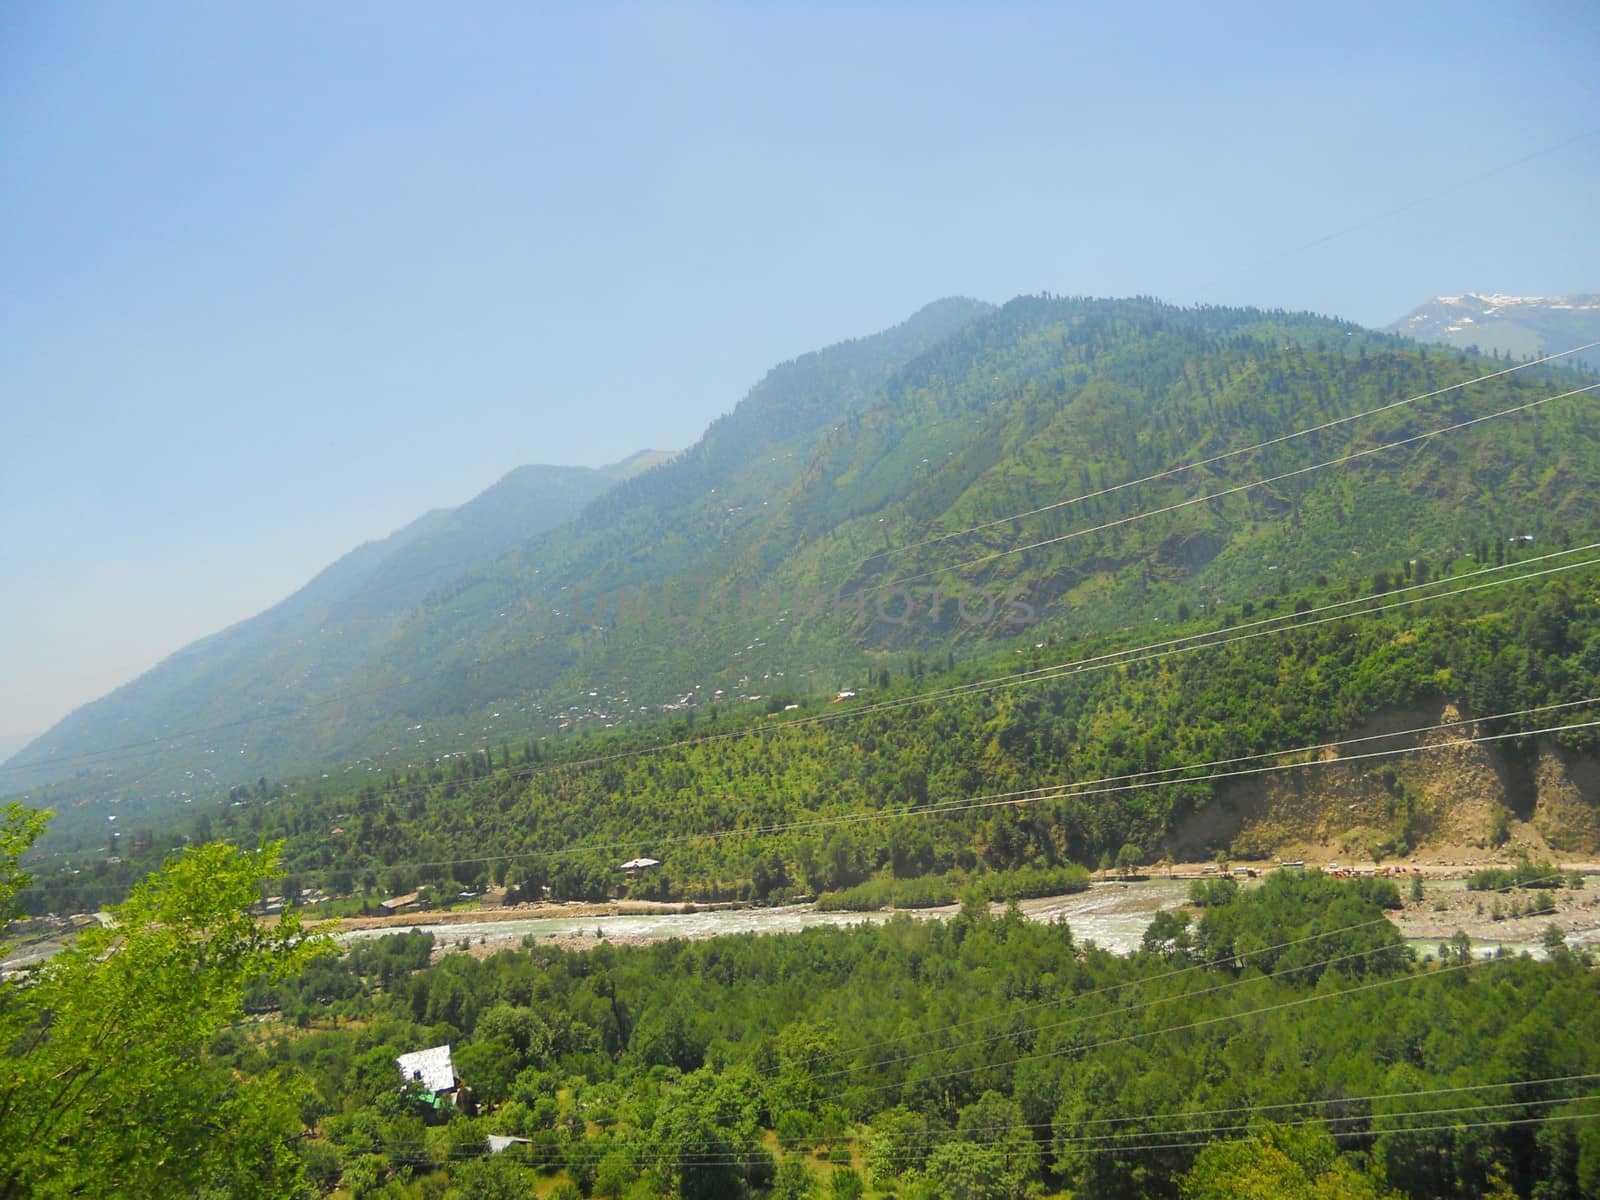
x=1276, y=1040
x=985, y=1056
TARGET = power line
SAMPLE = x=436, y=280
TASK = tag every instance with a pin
x=1110, y=989
x=1078, y=1051
x=1295, y=621
x=1217, y=638
x=1544, y=150
x=969, y=804
x=1370, y=1118
x=1553, y=147
x=1172, y=472
x=1194, y=1116
x=1081, y=1142
x=1241, y=981
x=168, y=739
x=1368, y=1099
x=1070, y=790
x=1062, y=791
x=1236, y=490
x=1216, y=495
x=1245, y=487
x=1183, y=644
x=1451, y=1127
x=1236, y=959
x=676, y=1151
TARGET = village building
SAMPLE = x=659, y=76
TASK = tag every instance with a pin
x=433, y=1071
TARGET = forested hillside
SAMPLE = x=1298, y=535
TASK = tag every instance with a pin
x=901, y=531
x=297, y=687
x=973, y=481
x=909, y=788
x=1073, y=755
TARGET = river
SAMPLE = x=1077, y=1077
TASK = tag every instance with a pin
x=1113, y=915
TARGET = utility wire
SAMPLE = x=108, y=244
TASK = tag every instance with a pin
x=1372, y=1098
x=1201, y=1023
x=1078, y=789
x=1451, y=1127
x=1121, y=1136
x=1178, y=470
x=384, y=688
x=1173, y=472
x=1236, y=959
x=944, y=808
x=678, y=1152
x=1038, y=675
x=1307, y=245
x=1363, y=606
x=1238, y=489
x=1142, y=1006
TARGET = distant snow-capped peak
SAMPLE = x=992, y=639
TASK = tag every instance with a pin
x=1490, y=304
x=1502, y=322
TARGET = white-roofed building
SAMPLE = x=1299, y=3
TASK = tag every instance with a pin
x=432, y=1068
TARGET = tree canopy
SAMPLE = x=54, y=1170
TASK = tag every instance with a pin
x=107, y=1082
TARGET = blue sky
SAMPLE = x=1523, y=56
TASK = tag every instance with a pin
x=279, y=278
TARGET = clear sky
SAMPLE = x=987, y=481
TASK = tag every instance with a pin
x=277, y=278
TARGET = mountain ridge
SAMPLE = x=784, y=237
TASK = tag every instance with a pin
x=943, y=457
x=379, y=582
x=360, y=594
x=1519, y=327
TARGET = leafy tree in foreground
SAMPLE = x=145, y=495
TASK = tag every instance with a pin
x=106, y=1087
x=19, y=827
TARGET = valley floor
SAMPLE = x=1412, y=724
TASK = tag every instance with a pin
x=1113, y=912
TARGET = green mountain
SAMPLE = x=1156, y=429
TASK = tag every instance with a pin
x=308, y=683
x=949, y=488
x=806, y=574
x=307, y=648
x=1516, y=326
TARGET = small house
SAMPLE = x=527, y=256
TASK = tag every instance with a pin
x=431, y=1068
x=435, y=1074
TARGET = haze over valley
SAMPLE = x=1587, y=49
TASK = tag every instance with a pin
x=797, y=602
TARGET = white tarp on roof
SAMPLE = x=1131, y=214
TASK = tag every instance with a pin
x=640, y=864
x=432, y=1067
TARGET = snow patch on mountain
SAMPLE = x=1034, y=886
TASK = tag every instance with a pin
x=1508, y=324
